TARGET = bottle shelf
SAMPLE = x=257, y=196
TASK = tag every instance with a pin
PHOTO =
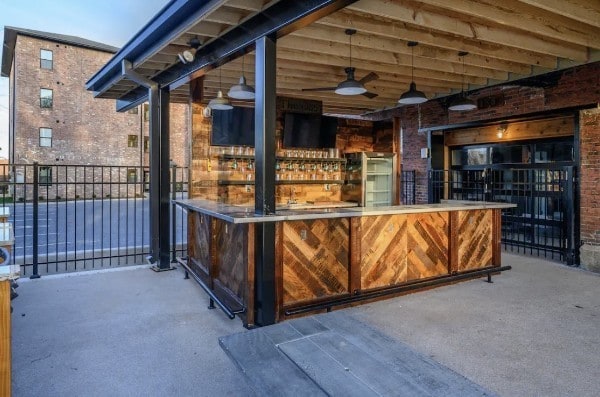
x=286, y=182
x=227, y=156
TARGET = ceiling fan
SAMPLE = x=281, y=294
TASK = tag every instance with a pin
x=350, y=86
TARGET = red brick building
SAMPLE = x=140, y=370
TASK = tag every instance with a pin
x=54, y=120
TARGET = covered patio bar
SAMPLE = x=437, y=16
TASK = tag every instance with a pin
x=297, y=200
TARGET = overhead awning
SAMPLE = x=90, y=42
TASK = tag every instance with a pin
x=506, y=41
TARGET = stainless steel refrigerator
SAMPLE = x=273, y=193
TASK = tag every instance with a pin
x=370, y=178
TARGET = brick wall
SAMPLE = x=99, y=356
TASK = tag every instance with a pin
x=589, y=136
x=85, y=130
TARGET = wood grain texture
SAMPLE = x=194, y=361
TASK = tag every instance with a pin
x=496, y=237
x=231, y=258
x=198, y=241
x=354, y=282
x=315, y=259
x=474, y=231
x=383, y=247
x=5, y=349
x=547, y=128
x=427, y=239
x=453, y=243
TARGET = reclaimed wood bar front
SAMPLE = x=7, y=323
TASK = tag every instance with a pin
x=339, y=256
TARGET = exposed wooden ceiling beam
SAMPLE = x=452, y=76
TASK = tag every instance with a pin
x=515, y=15
x=388, y=90
x=318, y=47
x=226, y=16
x=316, y=72
x=355, y=100
x=409, y=12
x=585, y=11
x=295, y=62
x=206, y=28
x=394, y=29
x=303, y=79
x=247, y=5
x=422, y=52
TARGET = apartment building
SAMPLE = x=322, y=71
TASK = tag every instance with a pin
x=54, y=120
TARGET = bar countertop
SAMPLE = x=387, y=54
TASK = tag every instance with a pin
x=245, y=214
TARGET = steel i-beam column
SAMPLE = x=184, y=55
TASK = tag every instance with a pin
x=264, y=194
x=164, y=220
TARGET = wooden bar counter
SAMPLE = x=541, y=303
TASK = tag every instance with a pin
x=327, y=257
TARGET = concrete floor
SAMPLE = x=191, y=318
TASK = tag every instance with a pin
x=131, y=332
x=535, y=331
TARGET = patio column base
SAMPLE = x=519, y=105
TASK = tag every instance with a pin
x=158, y=269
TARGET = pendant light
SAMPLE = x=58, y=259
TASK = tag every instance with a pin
x=412, y=96
x=220, y=102
x=462, y=102
x=350, y=86
x=242, y=90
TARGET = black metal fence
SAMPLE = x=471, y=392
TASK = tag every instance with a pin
x=74, y=217
x=544, y=221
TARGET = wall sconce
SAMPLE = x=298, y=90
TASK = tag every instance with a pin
x=188, y=56
x=501, y=130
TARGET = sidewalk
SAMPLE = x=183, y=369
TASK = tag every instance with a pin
x=534, y=331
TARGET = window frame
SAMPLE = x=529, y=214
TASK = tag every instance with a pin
x=132, y=175
x=42, y=98
x=132, y=141
x=40, y=137
x=45, y=175
x=50, y=61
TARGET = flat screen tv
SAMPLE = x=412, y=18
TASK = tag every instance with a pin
x=328, y=131
x=309, y=131
x=233, y=127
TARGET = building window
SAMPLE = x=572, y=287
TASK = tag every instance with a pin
x=146, y=112
x=133, y=110
x=45, y=137
x=132, y=141
x=46, y=59
x=45, y=98
x=131, y=175
x=146, y=144
x=45, y=176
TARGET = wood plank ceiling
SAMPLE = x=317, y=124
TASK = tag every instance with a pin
x=506, y=41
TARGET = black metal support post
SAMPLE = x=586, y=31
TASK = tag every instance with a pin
x=158, y=108
x=264, y=195
x=173, y=213
x=36, y=180
x=164, y=210
x=154, y=127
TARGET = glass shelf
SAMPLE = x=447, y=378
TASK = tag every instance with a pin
x=286, y=182
x=227, y=156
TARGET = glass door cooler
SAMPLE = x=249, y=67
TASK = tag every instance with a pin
x=370, y=178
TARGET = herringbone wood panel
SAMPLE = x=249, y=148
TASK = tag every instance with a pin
x=199, y=238
x=383, y=248
x=231, y=257
x=474, y=239
x=427, y=239
x=315, y=259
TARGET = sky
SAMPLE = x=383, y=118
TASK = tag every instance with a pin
x=112, y=22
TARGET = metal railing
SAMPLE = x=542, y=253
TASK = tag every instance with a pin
x=408, y=188
x=544, y=221
x=75, y=217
